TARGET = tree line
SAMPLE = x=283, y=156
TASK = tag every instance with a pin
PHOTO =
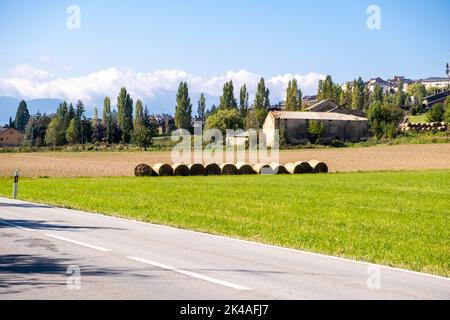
x=69, y=124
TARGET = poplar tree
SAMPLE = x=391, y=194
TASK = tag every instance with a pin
x=261, y=103
x=183, y=109
x=201, y=107
x=227, y=100
x=125, y=114
x=293, y=97
x=243, y=101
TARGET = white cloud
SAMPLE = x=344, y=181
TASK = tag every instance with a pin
x=30, y=83
x=25, y=71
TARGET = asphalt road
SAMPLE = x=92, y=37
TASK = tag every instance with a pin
x=53, y=253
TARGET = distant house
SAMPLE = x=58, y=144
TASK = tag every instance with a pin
x=378, y=81
x=11, y=137
x=165, y=126
x=439, y=97
x=294, y=126
x=436, y=82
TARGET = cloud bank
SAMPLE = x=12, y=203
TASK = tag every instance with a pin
x=27, y=82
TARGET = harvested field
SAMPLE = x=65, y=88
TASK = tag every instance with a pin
x=82, y=164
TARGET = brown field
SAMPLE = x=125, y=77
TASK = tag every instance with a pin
x=86, y=164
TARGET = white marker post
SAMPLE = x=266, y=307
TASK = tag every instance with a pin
x=16, y=181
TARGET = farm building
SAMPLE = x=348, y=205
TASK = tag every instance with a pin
x=294, y=126
x=10, y=137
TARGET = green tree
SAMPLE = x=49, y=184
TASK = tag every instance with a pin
x=95, y=117
x=400, y=96
x=22, y=116
x=183, y=109
x=358, y=95
x=436, y=114
x=243, y=101
x=225, y=119
x=72, y=132
x=107, y=119
x=125, y=114
x=227, y=100
x=262, y=102
x=345, y=97
x=35, y=129
x=328, y=90
x=315, y=130
x=56, y=132
x=78, y=122
x=142, y=136
x=384, y=119
x=293, y=97
x=201, y=107
x=70, y=113
x=377, y=95
x=139, y=114
x=417, y=91
x=447, y=115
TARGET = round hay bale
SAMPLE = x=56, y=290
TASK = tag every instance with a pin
x=143, y=170
x=180, y=169
x=278, y=168
x=261, y=168
x=162, y=169
x=293, y=168
x=212, y=169
x=306, y=166
x=318, y=166
x=196, y=169
x=228, y=169
x=244, y=168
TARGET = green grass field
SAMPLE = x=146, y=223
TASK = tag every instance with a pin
x=418, y=118
x=399, y=219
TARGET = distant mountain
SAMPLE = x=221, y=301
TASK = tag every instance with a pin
x=8, y=107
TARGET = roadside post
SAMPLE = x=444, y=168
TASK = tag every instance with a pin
x=16, y=182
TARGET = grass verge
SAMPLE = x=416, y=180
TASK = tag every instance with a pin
x=399, y=219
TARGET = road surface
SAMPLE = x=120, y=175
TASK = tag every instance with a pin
x=54, y=253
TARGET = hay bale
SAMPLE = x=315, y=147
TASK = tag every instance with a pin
x=162, y=169
x=318, y=166
x=228, y=169
x=278, y=168
x=306, y=166
x=180, y=169
x=244, y=168
x=293, y=168
x=212, y=169
x=196, y=169
x=143, y=170
x=261, y=168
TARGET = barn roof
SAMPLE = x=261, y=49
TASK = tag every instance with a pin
x=315, y=116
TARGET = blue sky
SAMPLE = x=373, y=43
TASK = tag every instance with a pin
x=207, y=39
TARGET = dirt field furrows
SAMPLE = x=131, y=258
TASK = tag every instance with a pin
x=87, y=164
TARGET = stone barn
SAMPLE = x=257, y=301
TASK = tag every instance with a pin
x=10, y=137
x=293, y=126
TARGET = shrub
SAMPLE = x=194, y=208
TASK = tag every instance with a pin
x=436, y=114
x=384, y=119
x=315, y=130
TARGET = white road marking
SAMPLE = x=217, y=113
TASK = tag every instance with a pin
x=190, y=274
x=78, y=242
